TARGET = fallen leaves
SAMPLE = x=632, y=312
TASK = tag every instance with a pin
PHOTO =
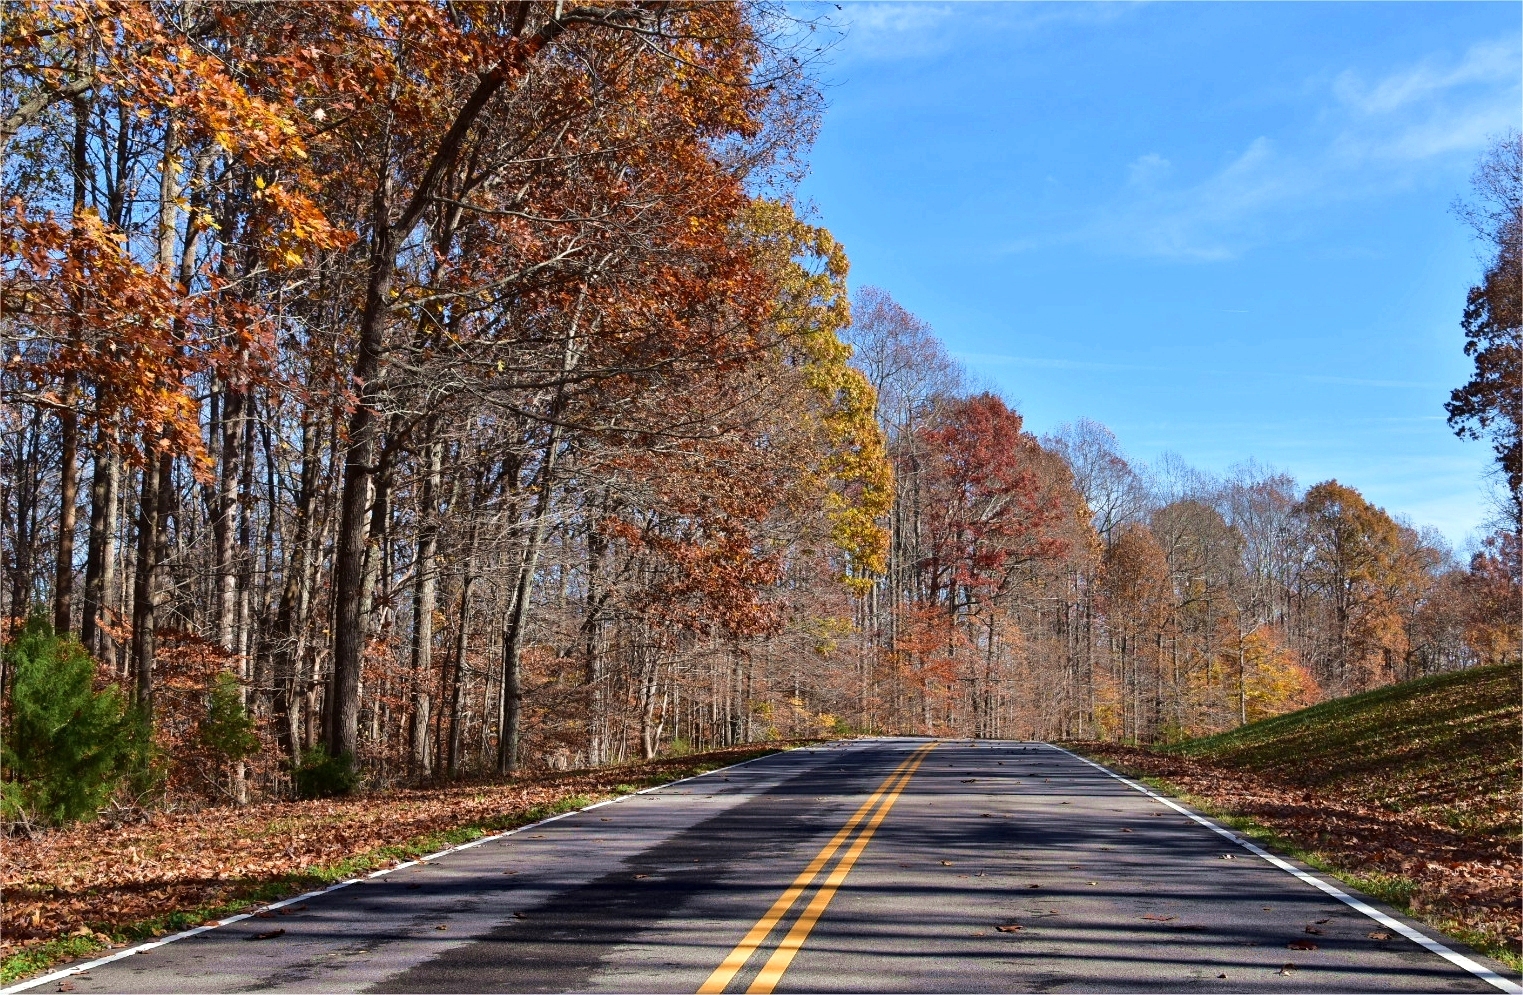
x=268, y=934
x=1009, y=927
x=1379, y=935
x=1301, y=945
x=1157, y=918
x=1464, y=875
x=107, y=877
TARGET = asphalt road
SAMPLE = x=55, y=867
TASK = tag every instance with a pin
x=870, y=866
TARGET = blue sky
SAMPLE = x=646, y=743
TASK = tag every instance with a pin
x=1223, y=230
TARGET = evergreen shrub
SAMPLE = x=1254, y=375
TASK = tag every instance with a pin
x=66, y=745
x=321, y=775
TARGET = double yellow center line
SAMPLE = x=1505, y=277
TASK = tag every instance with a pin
x=772, y=972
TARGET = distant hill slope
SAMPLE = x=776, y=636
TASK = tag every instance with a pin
x=1445, y=747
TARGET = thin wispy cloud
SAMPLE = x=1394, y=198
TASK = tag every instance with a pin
x=1371, y=135
x=1431, y=109
x=1209, y=220
x=1148, y=170
x=879, y=31
x=1042, y=362
x=1256, y=375
x=1488, y=63
x=1361, y=382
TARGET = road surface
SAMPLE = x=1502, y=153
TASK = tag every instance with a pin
x=894, y=865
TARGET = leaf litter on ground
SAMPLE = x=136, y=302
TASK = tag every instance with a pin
x=1471, y=877
x=113, y=879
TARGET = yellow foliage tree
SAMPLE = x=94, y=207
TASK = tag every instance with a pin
x=1271, y=681
x=852, y=472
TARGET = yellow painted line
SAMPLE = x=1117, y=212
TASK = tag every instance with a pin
x=737, y=959
x=772, y=973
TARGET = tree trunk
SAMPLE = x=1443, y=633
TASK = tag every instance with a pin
x=68, y=416
x=224, y=526
x=341, y=726
x=224, y=533
x=23, y=527
x=425, y=597
x=100, y=557
x=457, y=695
x=153, y=515
x=294, y=595
x=513, y=635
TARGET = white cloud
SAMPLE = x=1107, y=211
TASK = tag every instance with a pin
x=1208, y=220
x=904, y=29
x=1148, y=169
x=1428, y=110
x=1415, y=138
x=1368, y=138
x=895, y=30
x=1360, y=382
x=1488, y=62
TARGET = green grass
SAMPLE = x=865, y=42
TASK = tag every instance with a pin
x=44, y=956
x=1446, y=747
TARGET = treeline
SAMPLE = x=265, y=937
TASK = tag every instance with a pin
x=1050, y=588
x=412, y=390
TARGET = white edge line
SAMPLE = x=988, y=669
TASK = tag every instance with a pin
x=1432, y=945
x=143, y=948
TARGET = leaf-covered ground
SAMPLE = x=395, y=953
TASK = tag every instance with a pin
x=1411, y=792
x=71, y=891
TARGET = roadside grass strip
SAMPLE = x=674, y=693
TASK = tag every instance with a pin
x=1457, y=959
x=143, y=948
x=772, y=972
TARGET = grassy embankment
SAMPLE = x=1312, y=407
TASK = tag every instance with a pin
x=1409, y=793
x=88, y=888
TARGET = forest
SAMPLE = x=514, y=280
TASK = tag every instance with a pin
x=412, y=391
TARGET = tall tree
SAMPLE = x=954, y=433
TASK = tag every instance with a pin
x=1491, y=403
